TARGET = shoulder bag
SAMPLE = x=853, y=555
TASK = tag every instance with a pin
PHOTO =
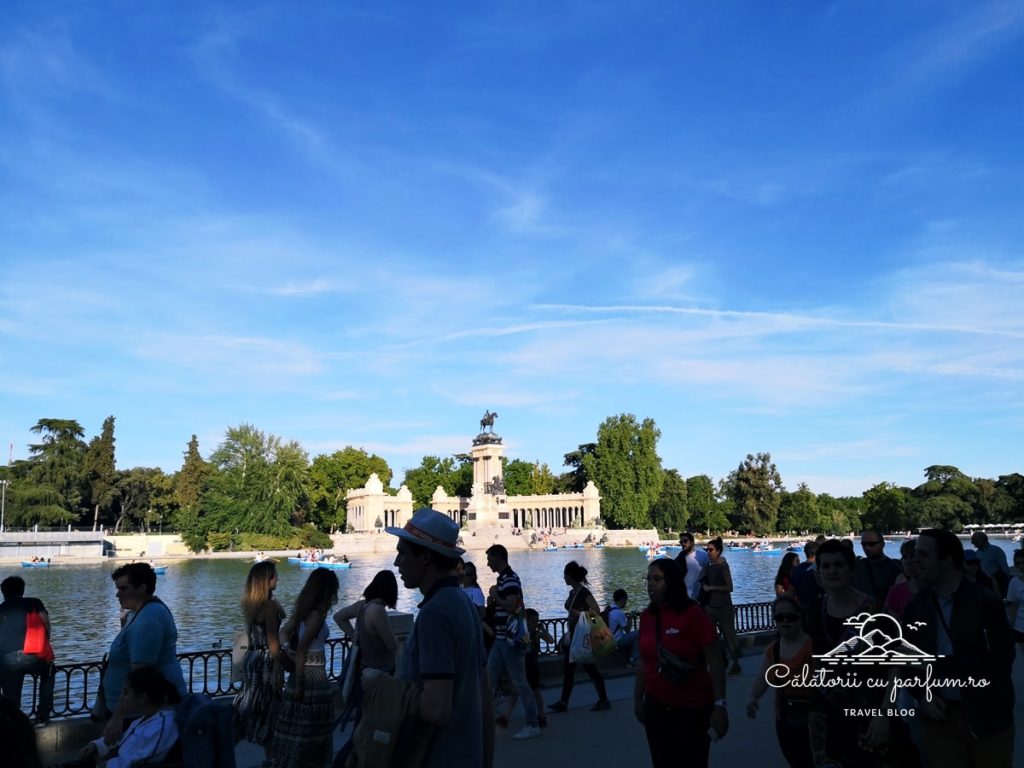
x=674, y=668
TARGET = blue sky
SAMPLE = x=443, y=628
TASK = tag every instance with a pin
x=792, y=227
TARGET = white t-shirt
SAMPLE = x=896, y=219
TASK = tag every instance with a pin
x=696, y=565
x=1015, y=594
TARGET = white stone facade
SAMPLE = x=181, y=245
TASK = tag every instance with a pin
x=370, y=508
x=488, y=506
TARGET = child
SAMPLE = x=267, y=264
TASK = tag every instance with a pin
x=151, y=736
x=537, y=633
x=618, y=623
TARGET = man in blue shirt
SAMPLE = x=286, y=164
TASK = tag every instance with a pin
x=444, y=652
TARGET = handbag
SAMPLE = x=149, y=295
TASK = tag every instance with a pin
x=581, y=650
x=674, y=668
x=517, y=633
x=351, y=672
x=602, y=642
x=238, y=655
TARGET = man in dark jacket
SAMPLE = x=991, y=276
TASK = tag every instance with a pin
x=14, y=663
x=964, y=725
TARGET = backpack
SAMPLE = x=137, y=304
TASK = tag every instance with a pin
x=205, y=732
x=390, y=713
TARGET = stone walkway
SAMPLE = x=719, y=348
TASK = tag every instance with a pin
x=614, y=738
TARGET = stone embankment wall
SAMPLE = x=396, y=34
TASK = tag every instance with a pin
x=139, y=546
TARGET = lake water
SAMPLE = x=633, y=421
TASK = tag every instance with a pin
x=204, y=594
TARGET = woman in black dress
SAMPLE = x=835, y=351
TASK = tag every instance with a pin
x=580, y=600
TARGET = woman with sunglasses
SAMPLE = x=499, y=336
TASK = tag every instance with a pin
x=716, y=596
x=790, y=657
x=679, y=694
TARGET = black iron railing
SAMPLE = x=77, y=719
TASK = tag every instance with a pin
x=209, y=672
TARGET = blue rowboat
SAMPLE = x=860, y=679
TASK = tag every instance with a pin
x=317, y=564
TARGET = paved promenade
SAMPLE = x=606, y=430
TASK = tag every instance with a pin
x=614, y=738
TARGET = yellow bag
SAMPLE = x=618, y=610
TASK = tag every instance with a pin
x=602, y=642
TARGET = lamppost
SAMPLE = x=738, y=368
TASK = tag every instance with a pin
x=3, y=502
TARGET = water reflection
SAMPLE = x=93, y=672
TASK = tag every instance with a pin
x=204, y=594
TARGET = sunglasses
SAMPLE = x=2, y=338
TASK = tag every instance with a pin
x=786, y=617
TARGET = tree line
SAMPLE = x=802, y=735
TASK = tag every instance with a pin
x=255, y=490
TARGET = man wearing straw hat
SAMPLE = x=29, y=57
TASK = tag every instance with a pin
x=445, y=651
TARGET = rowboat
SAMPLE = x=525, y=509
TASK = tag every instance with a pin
x=324, y=564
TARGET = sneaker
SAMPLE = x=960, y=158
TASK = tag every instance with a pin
x=528, y=732
x=602, y=706
x=542, y=722
x=501, y=721
x=558, y=706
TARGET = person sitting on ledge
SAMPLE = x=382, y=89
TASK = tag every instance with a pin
x=149, y=738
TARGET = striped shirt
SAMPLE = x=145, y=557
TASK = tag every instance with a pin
x=508, y=585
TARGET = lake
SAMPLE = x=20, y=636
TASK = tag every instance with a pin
x=204, y=594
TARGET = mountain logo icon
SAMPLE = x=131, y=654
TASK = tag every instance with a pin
x=879, y=640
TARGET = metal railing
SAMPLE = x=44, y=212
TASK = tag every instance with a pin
x=209, y=672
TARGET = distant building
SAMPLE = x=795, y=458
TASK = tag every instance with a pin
x=371, y=508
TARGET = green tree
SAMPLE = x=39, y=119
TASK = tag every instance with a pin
x=331, y=477
x=188, y=491
x=700, y=502
x=542, y=482
x=518, y=475
x=1012, y=488
x=244, y=492
x=670, y=511
x=55, y=473
x=289, y=494
x=101, y=472
x=626, y=468
x=424, y=479
x=798, y=511
x=885, y=508
x=754, y=488
x=945, y=499
x=145, y=495
x=575, y=480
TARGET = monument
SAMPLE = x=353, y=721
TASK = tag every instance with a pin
x=488, y=504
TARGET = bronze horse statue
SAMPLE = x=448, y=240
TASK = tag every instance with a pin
x=487, y=421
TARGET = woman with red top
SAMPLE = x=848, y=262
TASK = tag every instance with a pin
x=680, y=681
x=783, y=582
x=790, y=657
x=906, y=585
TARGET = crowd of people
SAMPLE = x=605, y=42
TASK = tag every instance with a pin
x=963, y=608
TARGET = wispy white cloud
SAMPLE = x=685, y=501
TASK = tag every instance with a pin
x=234, y=357
x=309, y=288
